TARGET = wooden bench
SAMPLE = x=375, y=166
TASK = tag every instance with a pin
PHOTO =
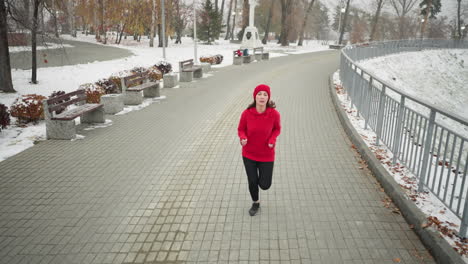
x=237, y=59
x=60, y=121
x=247, y=58
x=133, y=94
x=260, y=54
x=188, y=71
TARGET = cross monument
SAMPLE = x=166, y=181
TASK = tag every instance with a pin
x=251, y=39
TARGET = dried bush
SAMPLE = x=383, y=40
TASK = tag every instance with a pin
x=109, y=87
x=28, y=108
x=139, y=70
x=164, y=67
x=214, y=59
x=93, y=93
x=154, y=74
x=116, y=80
x=4, y=117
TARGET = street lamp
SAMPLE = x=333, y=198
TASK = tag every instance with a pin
x=163, y=15
x=342, y=10
x=195, y=32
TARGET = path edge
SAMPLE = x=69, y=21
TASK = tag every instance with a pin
x=440, y=249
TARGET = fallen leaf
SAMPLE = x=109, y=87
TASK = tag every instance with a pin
x=397, y=260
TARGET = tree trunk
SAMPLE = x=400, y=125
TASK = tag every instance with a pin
x=54, y=17
x=160, y=44
x=267, y=30
x=459, y=20
x=153, y=20
x=375, y=21
x=304, y=22
x=25, y=19
x=222, y=11
x=344, y=23
x=233, y=20
x=228, y=20
x=6, y=83
x=245, y=17
x=121, y=33
x=34, y=42
x=285, y=12
x=216, y=5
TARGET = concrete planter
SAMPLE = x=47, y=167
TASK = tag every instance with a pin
x=113, y=103
x=238, y=60
x=171, y=80
x=259, y=57
x=152, y=91
x=206, y=67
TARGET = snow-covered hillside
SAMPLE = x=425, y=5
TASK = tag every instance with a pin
x=439, y=77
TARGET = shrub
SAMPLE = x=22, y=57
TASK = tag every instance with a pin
x=139, y=70
x=93, y=93
x=164, y=67
x=4, y=117
x=58, y=93
x=216, y=59
x=109, y=87
x=154, y=74
x=28, y=108
x=116, y=80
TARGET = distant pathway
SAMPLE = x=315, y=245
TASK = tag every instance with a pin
x=166, y=184
x=81, y=52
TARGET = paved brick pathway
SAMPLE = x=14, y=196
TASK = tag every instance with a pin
x=166, y=184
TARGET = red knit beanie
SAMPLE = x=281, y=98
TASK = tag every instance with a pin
x=262, y=87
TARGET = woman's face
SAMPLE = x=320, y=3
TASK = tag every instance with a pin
x=261, y=98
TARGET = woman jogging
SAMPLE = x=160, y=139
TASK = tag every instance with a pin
x=259, y=126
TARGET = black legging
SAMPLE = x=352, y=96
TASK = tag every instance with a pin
x=259, y=174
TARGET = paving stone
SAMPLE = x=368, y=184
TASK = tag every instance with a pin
x=167, y=183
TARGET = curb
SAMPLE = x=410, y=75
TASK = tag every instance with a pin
x=430, y=237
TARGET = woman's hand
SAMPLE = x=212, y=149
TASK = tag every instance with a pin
x=243, y=141
x=271, y=145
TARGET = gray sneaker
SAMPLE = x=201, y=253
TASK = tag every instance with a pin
x=254, y=209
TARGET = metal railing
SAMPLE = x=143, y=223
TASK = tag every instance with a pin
x=429, y=141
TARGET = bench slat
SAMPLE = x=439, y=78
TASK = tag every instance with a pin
x=142, y=86
x=193, y=68
x=76, y=112
x=62, y=97
x=63, y=105
x=135, y=80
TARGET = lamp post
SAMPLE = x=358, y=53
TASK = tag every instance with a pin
x=195, y=32
x=342, y=10
x=163, y=16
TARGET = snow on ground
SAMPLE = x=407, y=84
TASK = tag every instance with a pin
x=445, y=220
x=15, y=139
x=439, y=77
x=47, y=46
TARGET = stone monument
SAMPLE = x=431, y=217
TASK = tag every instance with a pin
x=251, y=39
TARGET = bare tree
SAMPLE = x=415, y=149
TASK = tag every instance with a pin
x=375, y=19
x=228, y=20
x=267, y=29
x=304, y=22
x=286, y=7
x=234, y=20
x=153, y=20
x=6, y=83
x=459, y=19
x=344, y=22
x=402, y=8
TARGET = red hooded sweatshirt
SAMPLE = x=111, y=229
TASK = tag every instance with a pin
x=260, y=129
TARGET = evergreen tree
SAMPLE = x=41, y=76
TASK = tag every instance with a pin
x=209, y=26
